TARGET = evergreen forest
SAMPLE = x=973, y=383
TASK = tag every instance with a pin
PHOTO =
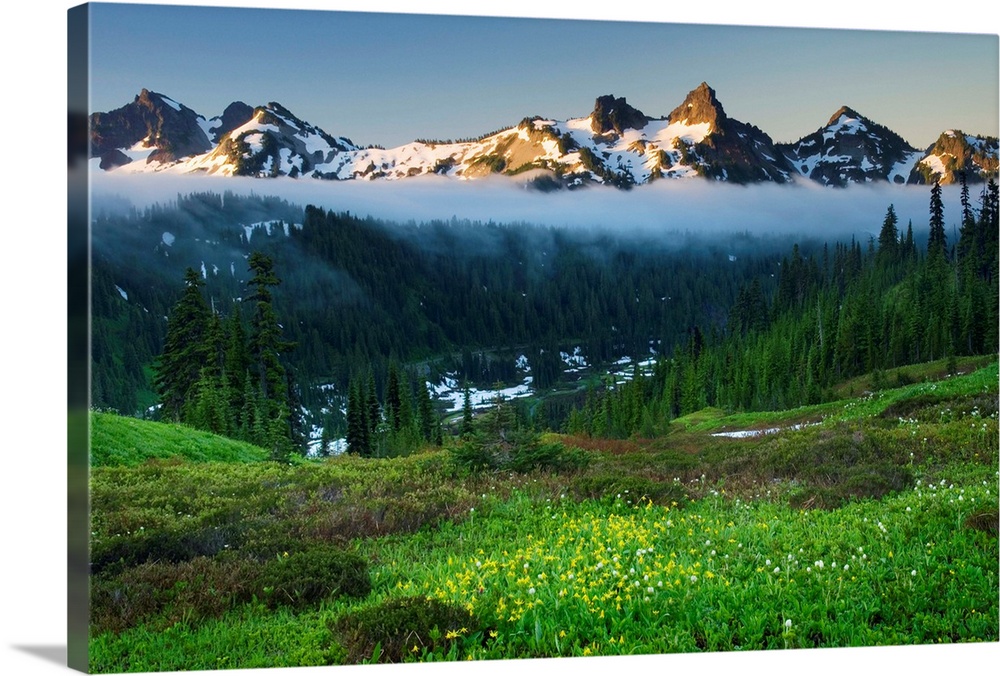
x=253, y=318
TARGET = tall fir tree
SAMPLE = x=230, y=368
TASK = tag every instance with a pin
x=888, y=237
x=425, y=412
x=937, y=242
x=466, y=411
x=186, y=349
x=357, y=425
x=265, y=349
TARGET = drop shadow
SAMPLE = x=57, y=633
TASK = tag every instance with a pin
x=50, y=653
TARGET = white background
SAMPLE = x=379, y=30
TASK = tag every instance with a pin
x=33, y=326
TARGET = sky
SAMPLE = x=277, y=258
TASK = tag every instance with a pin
x=388, y=78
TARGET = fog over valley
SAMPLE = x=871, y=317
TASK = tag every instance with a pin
x=695, y=206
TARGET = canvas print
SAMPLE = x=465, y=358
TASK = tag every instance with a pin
x=417, y=338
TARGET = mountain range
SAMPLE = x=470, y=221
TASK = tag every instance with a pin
x=615, y=144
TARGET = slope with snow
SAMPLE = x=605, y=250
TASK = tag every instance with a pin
x=851, y=148
x=615, y=144
x=953, y=153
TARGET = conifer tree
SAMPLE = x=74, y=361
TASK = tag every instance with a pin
x=393, y=398
x=325, y=440
x=425, y=412
x=888, y=237
x=265, y=347
x=938, y=241
x=185, y=350
x=373, y=411
x=357, y=425
x=967, y=232
x=466, y=411
x=237, y=360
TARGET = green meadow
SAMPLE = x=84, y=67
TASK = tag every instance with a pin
x=865, y=522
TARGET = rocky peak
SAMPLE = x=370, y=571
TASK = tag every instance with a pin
x=844, y=111
x=161, y=122
x=700, y=106
x=148, y=99
x=611, y=114
x=235, y=115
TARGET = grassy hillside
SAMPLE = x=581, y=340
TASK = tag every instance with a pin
x=875, y=524
x=117, y=440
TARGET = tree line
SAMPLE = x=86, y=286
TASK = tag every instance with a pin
x=849, y=311
x=227, y=375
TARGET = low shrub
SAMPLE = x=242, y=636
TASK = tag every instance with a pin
x=987, y=521
x=187, y=591
x=501, y=442
x=405, y=627
x=308, y=577
x=833, y=486
x=161, y=546
x=598, y=486
x=550, y=455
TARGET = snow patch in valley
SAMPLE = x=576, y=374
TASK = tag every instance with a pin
x=751, y=434
x=575, y=360
x=450, y=391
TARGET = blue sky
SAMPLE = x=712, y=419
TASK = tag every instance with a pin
x=389, y=78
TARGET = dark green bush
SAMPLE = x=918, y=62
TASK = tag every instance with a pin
x=164, y=546
x=632, y=488
x=551, y=455
x=987, y=521
x=397, y=625
x=833, y=486
x=501, y=441
x=308, y=577
x=186, y=591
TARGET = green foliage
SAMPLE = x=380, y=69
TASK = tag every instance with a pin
x=501, y=441
x=406, y=628
x=211, y=376
x=835, y=486
x=120, y=440
x=186, y=348
x=317, y=574
x=987, y=521
x=540, y=558
x=494, y=163
x=166, y=545
x=163, y=594
x=629, y=487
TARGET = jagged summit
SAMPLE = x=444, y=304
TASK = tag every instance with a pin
x=955, y=153
x=844, y=111
x=615, y=144
x=700, y=106
x=153, y=122
x=611, y=114
x=851, y=148
x=235, y=115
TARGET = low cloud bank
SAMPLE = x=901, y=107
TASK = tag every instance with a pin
x=697, y=206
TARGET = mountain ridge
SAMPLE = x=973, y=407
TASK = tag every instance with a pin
x=616, y=144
